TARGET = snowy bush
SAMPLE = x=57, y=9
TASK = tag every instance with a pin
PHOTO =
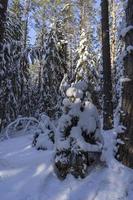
x=44, y=134
x=79, y=141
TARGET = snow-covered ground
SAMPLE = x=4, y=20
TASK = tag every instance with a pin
x=27, y=174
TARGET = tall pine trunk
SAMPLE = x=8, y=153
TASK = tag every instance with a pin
x=126, y=150
x=107, y=81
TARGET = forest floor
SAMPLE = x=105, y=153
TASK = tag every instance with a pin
x=27, y=174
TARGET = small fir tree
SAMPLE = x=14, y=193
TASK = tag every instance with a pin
x=79, y=141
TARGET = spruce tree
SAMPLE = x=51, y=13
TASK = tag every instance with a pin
x=79, y=141
x=13, y=80
x=53, y=69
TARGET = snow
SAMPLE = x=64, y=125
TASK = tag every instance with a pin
x=1, y=6
x=43, y=142
x=63, y=144
x=64, y=120
x=119, y=141
x=126, y=79
x=76, y=134
x=129, y=48
x=66, y=102
x=75, y=108
x=81, y=85
x=90, y=113
x=126, y=30
x=22, y=169
x=74, y=92
x=120, y=128
x=28, y=174
x=14, y=124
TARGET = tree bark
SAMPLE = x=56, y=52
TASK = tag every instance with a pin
x=107, y=80
x=126, y=150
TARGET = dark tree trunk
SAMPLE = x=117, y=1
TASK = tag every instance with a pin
x=126, y=150
x=107, y=81
x=3, y=9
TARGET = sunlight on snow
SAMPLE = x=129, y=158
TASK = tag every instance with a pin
x=40, y=169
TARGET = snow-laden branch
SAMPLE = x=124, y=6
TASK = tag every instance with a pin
x=17, y=121
x=124, y=79
x=126, y=30
x=129, y=49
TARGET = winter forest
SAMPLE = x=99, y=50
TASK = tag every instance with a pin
x=66, y=99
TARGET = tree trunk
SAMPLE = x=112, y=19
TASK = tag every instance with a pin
x=3, y=9
x=113, y=39
x=126, y=150
x=107, y=81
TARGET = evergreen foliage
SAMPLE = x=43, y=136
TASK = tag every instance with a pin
x=53, y=66
x=14, y=73
x=79, y=141
x=85, y=69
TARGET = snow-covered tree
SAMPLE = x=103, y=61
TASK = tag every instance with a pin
x=44, y=134
x=26, y=11
x=85, y=68
x=78, y=139
x=15, y=26
x=53, y=66
x=117, y=22
x=3, y=11
x=125, y=150
x=14, y=73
